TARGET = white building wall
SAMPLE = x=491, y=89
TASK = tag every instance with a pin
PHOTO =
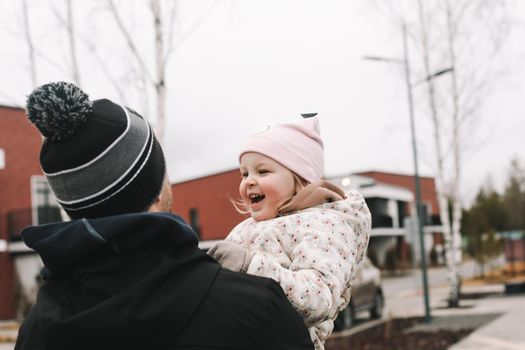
x=380, y=245
x=392, y=211
x=28, y=268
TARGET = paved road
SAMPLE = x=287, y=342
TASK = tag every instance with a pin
x=436, y=277
x=404, y=293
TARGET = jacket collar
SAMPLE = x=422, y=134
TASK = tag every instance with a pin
x=63, y=245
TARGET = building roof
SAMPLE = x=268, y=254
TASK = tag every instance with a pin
x=409, y=175
x=11, y=107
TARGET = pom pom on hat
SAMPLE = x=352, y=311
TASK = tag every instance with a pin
x=57, y=109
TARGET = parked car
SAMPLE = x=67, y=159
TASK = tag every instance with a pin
x=367, y=295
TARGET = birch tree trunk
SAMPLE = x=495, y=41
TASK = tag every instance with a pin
x=30, y=45
x=23, y=299
x=456, y=160
x=450, y=254
x=157, y=82
x=72, y=43
x=160, y=86
x=162, y=50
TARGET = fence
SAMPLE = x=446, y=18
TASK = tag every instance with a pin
x=18, y=219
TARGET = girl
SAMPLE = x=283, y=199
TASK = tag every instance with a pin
x=305, y=233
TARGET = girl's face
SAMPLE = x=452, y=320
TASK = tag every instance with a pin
x=265, y=185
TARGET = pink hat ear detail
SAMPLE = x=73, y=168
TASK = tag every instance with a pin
x=310, y=127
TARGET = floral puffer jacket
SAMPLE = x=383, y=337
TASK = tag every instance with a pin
x=313, y=253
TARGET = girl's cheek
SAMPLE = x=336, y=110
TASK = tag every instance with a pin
x=243, y=196
x=242, y=188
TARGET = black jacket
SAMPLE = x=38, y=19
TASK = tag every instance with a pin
x=139, y=281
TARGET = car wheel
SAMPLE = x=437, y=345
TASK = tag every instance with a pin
x=345, y=319
x=377, y=310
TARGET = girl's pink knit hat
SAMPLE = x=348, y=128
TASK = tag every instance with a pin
x=297, y=146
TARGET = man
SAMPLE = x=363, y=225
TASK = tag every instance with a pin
x=125, y=274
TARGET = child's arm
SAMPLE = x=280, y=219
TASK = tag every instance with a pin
x=312, y=292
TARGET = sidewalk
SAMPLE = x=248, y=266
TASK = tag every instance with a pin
x=8, y=333
x=500, y=317
x=506, y=332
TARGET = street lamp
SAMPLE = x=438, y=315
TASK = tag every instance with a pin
x=434, y=75
x=417, y=183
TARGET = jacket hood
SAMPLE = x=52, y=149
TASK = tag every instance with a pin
x=64, y=245
x=130, y=281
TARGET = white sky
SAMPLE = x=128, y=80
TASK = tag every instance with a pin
x=253, y=62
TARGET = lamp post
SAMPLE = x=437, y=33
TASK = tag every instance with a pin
x=417, y=183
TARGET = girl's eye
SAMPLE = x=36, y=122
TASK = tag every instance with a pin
x=263, y=171
x=244, y=175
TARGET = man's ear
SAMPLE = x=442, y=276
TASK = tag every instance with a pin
x=155, y=206
x=163, y=201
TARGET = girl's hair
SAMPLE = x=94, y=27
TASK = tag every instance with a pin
x=299, y=184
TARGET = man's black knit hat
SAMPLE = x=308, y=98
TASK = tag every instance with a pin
x=100, y=158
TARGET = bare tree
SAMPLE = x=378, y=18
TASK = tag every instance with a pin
x=164, y=44
x=453, y=240
x=453, y=275
x=67, y=22
x=29, y=42
x=147, y=71
x=33, y=49
x=160, y=65
x=470, y=29
x=157, y=81
x=72, y=42
x=465, y=36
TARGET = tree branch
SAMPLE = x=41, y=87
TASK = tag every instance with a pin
x=129, y=41
x=196, y=24
x=30, y=45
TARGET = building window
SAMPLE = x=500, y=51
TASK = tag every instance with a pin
x=194, y=221
x=401, y=212
x=379, y=210
x=426, y=213
x=45, y=208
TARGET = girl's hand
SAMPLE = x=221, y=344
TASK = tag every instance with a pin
x=231, y=256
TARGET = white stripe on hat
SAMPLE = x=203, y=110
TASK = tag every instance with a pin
x=108, y=187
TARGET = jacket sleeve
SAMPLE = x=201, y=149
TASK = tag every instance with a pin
x=324, y=258
x=285, y=329
x=30, y=335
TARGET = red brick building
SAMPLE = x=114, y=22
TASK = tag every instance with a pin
x=20, y=145
x=205, y=203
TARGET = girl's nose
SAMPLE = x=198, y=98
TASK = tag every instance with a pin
x=250, y=181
